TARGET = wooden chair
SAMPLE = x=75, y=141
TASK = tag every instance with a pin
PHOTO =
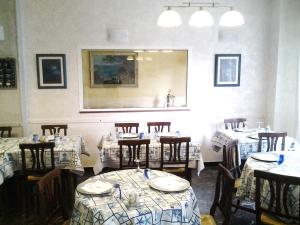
x=231, y=162
x=231, y=158
x=158, y=126
x=234, y=123
x=223, y=194
x=54, y=129
x=272, y=139
x=127, y=127
x=3, y=130
x=134, y=147
x=31, y=174
x=277, y=205
x=174, y=162
x=51, y=204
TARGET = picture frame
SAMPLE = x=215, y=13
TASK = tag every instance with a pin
x=227, y=70
x=51, y=71
x=113, y=69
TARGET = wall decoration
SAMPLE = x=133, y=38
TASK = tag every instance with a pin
x=8, y=78
x=51, y=70
x=113, y=69
x=227, y=70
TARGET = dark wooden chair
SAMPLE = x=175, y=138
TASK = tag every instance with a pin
x=4, y=130
x=277, y=205
x=223, y=194
x=175, y=164
x=54, y=129
x=234, y=123
x=232, y=163
x=127, y=127
x=51, y=205
x=31, y=174
x=134, y=148
x=158, y=126
x=231, y=158
x=272, y=140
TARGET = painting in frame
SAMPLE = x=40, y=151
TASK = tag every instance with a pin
x=51, y=71
x=113, y=69
x=227, y=70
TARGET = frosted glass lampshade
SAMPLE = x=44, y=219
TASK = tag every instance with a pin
x=169, y=18
x=232, y=18
x=201, y=18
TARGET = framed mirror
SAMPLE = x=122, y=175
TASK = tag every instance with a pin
x=133, y=80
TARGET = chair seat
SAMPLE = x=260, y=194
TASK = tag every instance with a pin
x=237, y=183
x=270, y=220
x=207, y=220
x=34, y=178
x=174, y=170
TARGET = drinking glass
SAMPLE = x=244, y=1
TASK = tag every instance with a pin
x=138, y=169
x=259, y=125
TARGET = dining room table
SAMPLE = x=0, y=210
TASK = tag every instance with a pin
x=66, y=154
x=109, y=151
x=247, y=139
x=283, y=162
x=132, y=197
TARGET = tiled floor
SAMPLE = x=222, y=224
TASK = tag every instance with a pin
x=204, y=188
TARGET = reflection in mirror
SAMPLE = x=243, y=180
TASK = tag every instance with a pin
x=134, y=78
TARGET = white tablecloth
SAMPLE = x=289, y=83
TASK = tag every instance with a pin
x=109, y=154
x=66, y=154
x=160, y=208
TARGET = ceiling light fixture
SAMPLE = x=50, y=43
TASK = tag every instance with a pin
x=201, y=18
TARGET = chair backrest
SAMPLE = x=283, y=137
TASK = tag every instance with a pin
x=37, y=153
x=234, y=122
x=50, y=197
x=158, y=126
x=272, y=140
x=231, y=158
x=54, y=129
x=173, y=151
x=127, y=127
x=223, y=193
x=277, y=204
x=134, y=148
x=3, y=130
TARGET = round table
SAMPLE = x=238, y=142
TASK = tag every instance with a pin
x=289, y=167
x=157, y=207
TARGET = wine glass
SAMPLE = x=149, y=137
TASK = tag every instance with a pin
x=259, y=125
x=138, y=169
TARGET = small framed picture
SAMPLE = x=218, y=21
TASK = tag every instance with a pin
x=227, y=70
x=51, y=70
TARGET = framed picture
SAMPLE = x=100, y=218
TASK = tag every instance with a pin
x=227, y=70
x=51, y=70
x=113, y=69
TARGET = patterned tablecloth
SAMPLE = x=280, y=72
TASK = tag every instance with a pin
x=290, y=167
x=109, y=154
x=66, y=154
x=155, y=207
x=247, y=141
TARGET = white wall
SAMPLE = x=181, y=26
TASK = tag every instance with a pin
x=286, y=102
x=65, y=26
x=10, y=111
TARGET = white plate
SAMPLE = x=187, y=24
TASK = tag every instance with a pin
x=129, y=135
x=245, y=130
x=266, y=157
x=95, y=187
x=169, y=184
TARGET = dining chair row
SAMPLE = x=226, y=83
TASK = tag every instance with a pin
x=152, y=126
x=172, y=147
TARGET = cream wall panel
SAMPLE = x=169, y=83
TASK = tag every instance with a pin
x=65, y=26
